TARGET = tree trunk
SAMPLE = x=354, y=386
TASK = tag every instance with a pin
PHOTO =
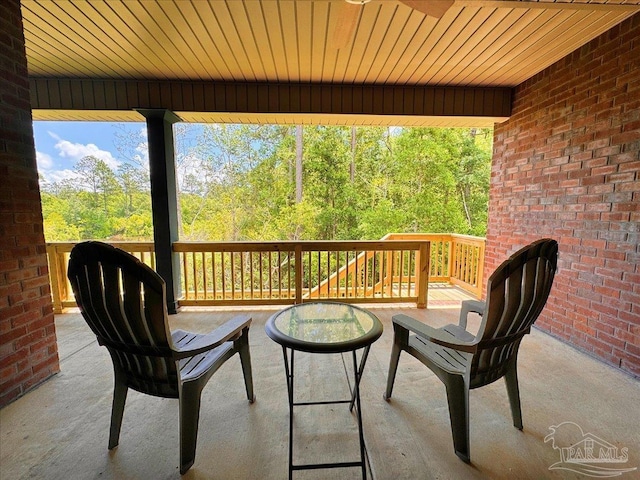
x=298, y=163
x=352, y=167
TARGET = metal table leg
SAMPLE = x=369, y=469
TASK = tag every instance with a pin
x=289, y=374
x=354, y=400
x=356, y=394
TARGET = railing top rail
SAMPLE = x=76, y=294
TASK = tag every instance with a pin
x=393, y=240
x=471, y=238
x=431, y=237
x=307, y=245
x=128, y=245
x=414, y=235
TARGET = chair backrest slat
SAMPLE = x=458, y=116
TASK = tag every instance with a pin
x=113, y=302
x=516, y=294
x=155, y=307
x=91, y=295
x=133, y=309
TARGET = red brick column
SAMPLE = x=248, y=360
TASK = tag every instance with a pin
x=567, y=165
x=28, y=349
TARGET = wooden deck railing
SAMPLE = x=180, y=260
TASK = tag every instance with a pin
x=253, y=273
x=457, y=259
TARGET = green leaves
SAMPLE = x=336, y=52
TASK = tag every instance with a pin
x=237, y=182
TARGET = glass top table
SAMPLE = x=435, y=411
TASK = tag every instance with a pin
x=325, y=327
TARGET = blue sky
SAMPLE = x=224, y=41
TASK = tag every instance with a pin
x=59, y=145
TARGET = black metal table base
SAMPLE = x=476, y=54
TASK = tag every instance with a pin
x=353, y=401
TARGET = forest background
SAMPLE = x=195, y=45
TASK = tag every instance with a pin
x=269, y=182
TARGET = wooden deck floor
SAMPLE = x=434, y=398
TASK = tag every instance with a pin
x=442, y=295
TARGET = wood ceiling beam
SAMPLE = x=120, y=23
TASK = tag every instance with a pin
x=269, y=98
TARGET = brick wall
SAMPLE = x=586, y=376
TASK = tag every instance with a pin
x=28, y=349
x=567, y=165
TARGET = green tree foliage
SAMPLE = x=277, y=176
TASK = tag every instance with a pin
x=326, y=181
x=427, y=195
x=237, y=182
x=98, y=203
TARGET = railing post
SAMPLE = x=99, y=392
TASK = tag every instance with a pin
x=55, y=277
x=388, y=277
x=423, y=277
x=299, y=273
x=480, y=272
x=452, y=260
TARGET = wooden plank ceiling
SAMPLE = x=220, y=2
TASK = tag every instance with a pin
x=475, y=44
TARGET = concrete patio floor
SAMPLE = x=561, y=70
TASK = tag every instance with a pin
x=60, y=430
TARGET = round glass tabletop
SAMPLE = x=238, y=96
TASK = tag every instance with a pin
x=324, y=327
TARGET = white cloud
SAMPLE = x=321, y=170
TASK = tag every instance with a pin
x=44, y=160
x=77, y=151
x=60, y=175
x=142, y=153
x=57, y=176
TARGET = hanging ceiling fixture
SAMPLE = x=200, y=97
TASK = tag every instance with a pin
x=351, y=9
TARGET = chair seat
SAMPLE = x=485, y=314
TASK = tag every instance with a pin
x=198, y=365
x=445, y=358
